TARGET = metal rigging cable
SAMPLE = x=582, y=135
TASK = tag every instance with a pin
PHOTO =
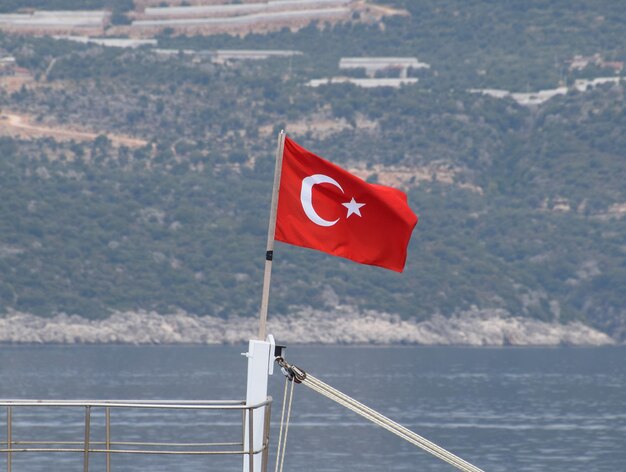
x=297, y=375
x=284, y=427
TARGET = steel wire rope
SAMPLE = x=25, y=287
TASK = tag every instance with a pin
x=376, y=418
x=282, y=421
x=397, y=429
x=297, y=375
x=284, y=426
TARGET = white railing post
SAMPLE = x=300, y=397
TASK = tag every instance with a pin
x=107, y=434
x=9, y=437
x=86, y=443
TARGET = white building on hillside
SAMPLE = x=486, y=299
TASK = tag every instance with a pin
x=376, y=64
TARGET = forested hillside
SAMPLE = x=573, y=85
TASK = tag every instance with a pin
x=522, y=208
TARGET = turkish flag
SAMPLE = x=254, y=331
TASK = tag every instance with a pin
x=322, y=206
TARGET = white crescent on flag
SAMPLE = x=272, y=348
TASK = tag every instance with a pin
x=306, y=197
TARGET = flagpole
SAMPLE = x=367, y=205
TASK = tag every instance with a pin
x=269, y=254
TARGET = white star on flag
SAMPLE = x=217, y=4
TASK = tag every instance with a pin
x=353, y=207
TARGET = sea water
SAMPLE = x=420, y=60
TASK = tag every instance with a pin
x=505, y=409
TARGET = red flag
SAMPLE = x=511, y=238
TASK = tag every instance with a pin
x=323, y=207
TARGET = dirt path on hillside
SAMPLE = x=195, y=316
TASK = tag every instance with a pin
x=16, y=124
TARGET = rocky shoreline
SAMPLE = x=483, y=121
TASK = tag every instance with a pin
x=342, y=325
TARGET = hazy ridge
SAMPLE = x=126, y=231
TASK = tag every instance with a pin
x=522, y=203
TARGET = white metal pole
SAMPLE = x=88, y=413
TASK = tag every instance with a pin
x=269, y=254
x=260, y=365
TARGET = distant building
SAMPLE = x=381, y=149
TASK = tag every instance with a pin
x=222, y=56
x=584, y=84
x=372, y=65
x=617, y=66
x=47, y=22
x=21, y=72
x=226, y=23
x=365, y=83
x=7, y=61
x=240, y=9
x=226, y=56
x=526, y=99
x=110, y=42
x=579, y=62
x=537, y=98
x=7, y=65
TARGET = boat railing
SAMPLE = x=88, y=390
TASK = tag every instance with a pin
x=97, y=436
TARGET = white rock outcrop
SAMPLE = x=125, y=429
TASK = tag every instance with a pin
x=305, y=325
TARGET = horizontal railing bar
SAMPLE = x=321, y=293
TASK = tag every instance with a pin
x=134, y=451
x=68, y=443
x=42, y=450
x=128, y=443
x=83, y=401
x=170, y=406
x=193, y=453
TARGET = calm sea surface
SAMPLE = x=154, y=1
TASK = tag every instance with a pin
x=501, y=409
